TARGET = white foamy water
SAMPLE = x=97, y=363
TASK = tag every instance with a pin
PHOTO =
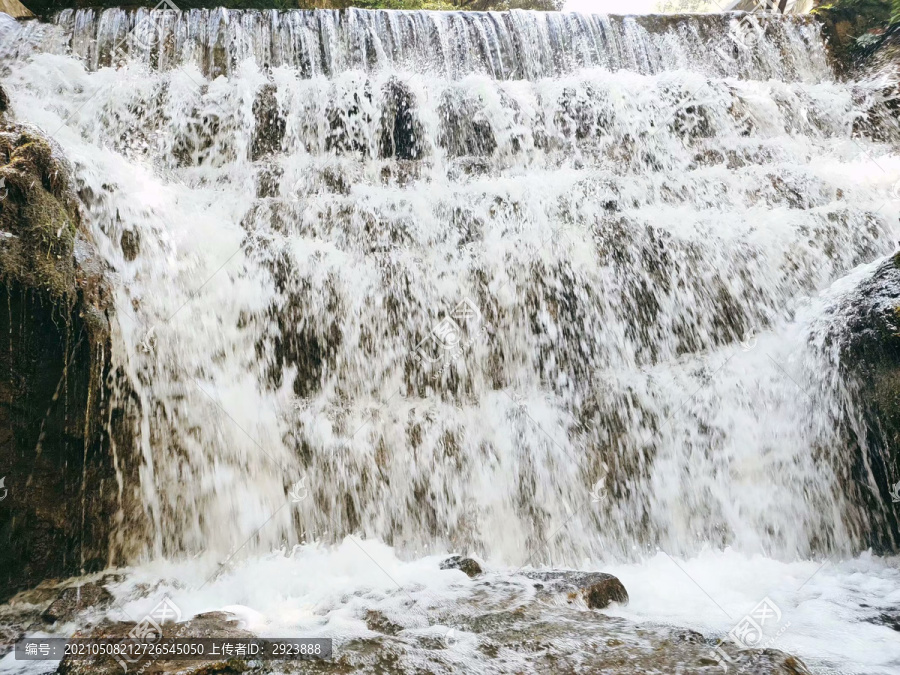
x=639, y=218
x=827, y=606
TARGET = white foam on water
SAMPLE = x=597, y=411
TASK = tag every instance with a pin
x=826, y=606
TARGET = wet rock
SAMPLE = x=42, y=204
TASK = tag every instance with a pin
x=891, y=619
x=4, y=101
x=378, y=622
x=347, y=121
x=769, y=661
x=54, y=346
x=270, y=124
x=604, y=592
x=268, y=181
x=336, y=181
x=867, y=331
x=9, y=635
x=76, y=599
x=578, y=114
x=467, y=565
x=693, y=122
x=400, y=130
x=130, y=242
x=465, y=127
x=401, y=172
x=597, y=589
x=212, y=624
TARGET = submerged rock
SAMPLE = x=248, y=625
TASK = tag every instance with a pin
x=467, y=565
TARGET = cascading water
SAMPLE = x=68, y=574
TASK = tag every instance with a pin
x=537, y=287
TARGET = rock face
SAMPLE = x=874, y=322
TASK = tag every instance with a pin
x=869, y=347
x=60, y=489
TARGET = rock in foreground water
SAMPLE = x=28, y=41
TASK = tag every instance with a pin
x=597, y=589
x=467, y=565
x=76, y=599
x=212, y=624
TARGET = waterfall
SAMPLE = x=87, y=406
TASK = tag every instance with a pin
x=543, y=287
x=505, y=46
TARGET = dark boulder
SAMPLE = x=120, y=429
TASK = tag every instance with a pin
x=867, y=334
x=604, y=592
x=467, y=565
x=597, y=589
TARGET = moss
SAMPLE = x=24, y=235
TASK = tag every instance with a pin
x=38, y=215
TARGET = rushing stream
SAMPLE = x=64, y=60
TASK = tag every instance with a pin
x=545, y=289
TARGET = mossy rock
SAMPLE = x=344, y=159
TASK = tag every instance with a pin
x=55, y=452
x=38, y=215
